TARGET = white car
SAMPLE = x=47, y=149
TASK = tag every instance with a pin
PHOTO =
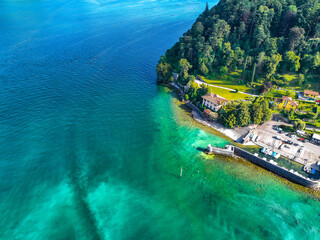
x=279, y=137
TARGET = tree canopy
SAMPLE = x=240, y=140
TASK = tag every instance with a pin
x=264, y=37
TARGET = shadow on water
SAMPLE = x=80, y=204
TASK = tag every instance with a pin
x=78, y=187
x=200, y=149
x=185, y=108
x=175, y=175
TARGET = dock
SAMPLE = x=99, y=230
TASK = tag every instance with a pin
x=269, y=165
x=228, y=150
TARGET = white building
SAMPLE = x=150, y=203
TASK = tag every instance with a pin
x=213, y=101
x=315, y=138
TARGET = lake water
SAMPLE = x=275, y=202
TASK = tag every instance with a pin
x=91, y=147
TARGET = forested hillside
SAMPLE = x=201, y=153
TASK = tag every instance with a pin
x=258, y=39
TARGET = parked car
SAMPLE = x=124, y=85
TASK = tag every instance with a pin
x=289, y=142
x=279, y=137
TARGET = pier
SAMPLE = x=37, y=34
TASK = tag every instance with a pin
x=227, y=151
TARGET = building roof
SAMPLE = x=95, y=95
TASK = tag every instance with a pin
x=286, y=98
x=289, y=99
x=207, y=111
x=215, y=99
x=316, y=136
x=309, y=92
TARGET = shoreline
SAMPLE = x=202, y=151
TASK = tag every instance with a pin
x=198, y=117
x=233, y=135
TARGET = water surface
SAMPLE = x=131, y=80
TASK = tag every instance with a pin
x=91, y=147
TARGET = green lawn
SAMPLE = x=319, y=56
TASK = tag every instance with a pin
x=230, y=95
x=275, y=93
x=233, y=84
x=311, y=79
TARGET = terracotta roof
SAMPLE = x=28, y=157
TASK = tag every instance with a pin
x=286, y=98
x=215, y=99
x=290, y=101
x=207, y=111
x=293, y=103
x=311, y=92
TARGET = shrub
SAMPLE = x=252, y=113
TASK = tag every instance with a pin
x=299, y=124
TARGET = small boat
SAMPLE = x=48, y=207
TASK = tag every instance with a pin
x=309, y=169
x=172, y=14
x=268, y=151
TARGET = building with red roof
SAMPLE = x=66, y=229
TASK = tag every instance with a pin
x=213, y=101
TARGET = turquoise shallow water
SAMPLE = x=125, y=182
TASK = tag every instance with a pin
x=91, y=147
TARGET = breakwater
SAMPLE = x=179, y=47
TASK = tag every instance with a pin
x=281, y=171
x=227, y=151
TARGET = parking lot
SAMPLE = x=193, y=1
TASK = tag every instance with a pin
x=302, y=152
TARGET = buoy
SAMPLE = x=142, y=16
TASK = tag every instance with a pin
x=181, y=172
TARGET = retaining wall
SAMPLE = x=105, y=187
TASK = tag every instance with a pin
x=283, y=172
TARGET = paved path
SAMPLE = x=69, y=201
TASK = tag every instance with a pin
x=230, y=89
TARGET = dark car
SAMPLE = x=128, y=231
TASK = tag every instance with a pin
x=289, y=142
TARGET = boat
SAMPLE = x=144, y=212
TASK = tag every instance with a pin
x=268, y=151
x=309, y=169
x=277, y=156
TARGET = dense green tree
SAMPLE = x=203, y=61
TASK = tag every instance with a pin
x=203, y=90
x=300, y=79
x=249, y=34
x=204, y=70
x=243, y=115
x=223, y=71
x=184, y=67
x=163, y=69
x=299, y=124
x=292, y=61
x=197, y=29
x=273, y=64
x=271, y=46
x=256, y=113
x=260, y=35
x=295, y=36
x=231, y=121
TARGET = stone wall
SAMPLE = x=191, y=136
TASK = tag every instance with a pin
x=283, y=172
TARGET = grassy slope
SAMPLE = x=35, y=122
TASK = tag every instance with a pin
x=235, y=83
x=230, y=95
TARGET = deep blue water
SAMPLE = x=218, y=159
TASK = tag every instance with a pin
x=91, y=147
